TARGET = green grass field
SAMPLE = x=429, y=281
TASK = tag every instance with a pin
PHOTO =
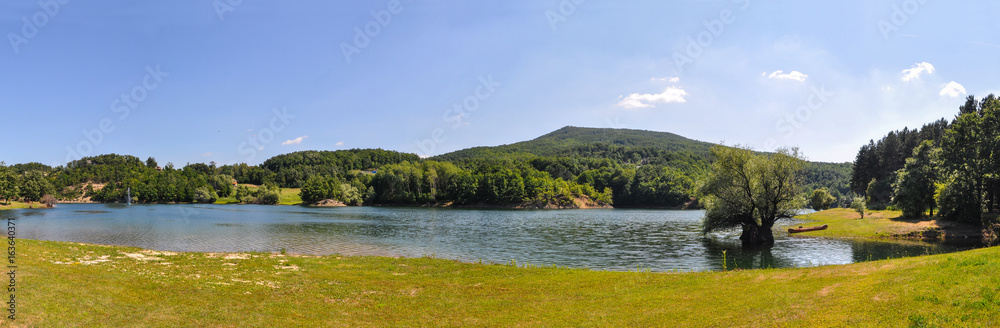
x=19, y=205
x=70, y=284
x=846, y=223
x=289, y=196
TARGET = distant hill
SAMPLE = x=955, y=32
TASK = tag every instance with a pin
x=572, y=139
x=619, y=144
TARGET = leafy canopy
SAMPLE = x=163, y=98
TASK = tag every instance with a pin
x=751, y=190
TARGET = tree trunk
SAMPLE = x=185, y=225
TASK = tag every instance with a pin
x=755, y=235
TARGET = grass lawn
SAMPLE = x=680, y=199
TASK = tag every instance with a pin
x=846, y=223
x=289, y=196
x=20, y=205
x=70, y=284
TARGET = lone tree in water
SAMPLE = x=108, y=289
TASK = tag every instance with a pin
x=751, y=191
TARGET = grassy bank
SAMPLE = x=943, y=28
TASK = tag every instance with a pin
x=846, y=223
x=288, y=196
x=19, y=205
x=69, y=284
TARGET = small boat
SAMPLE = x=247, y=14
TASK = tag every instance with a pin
x=801, y=229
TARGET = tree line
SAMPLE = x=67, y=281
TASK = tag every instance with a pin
x=952, y=167
x=595, y=174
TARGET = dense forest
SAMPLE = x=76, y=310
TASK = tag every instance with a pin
x=952, y=167
x=877, y=162
x=571, y=167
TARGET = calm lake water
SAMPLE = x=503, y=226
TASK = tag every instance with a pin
x=618, y=239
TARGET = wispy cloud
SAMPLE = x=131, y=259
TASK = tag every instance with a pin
x=666, y=79
x=917, y=69
x=207, y=154
x=340, y=143
x=295, y=141
x=793, y=75
x=953, y=89
x=647, y=100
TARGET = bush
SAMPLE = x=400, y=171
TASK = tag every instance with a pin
x=821, y=199
x=48, y=200
x=268, y=195
x=859, y=205
x=205, y=195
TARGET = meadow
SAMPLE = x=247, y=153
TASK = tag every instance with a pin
x=71, y=284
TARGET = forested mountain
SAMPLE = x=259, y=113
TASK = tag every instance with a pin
x=570, y=167
x=573, y=141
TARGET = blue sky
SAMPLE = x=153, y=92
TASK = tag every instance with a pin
x=240, y=81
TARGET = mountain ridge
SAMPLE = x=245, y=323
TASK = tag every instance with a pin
x=564, y=139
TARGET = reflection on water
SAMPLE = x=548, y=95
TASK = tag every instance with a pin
x=598, y=239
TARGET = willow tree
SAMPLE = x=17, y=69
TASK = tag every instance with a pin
x=751, y=191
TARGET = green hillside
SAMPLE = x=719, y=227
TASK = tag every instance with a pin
x=574, y=140
x=638, y=147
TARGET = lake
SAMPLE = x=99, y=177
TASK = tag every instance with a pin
x=618, y=239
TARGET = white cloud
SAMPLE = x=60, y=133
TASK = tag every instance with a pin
x=295, y=141
x=340, y=143
x=793, y=75
x=953, y=89
x=208, y=154
x=666, y=79
x=914, y=72
x=647, y=100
